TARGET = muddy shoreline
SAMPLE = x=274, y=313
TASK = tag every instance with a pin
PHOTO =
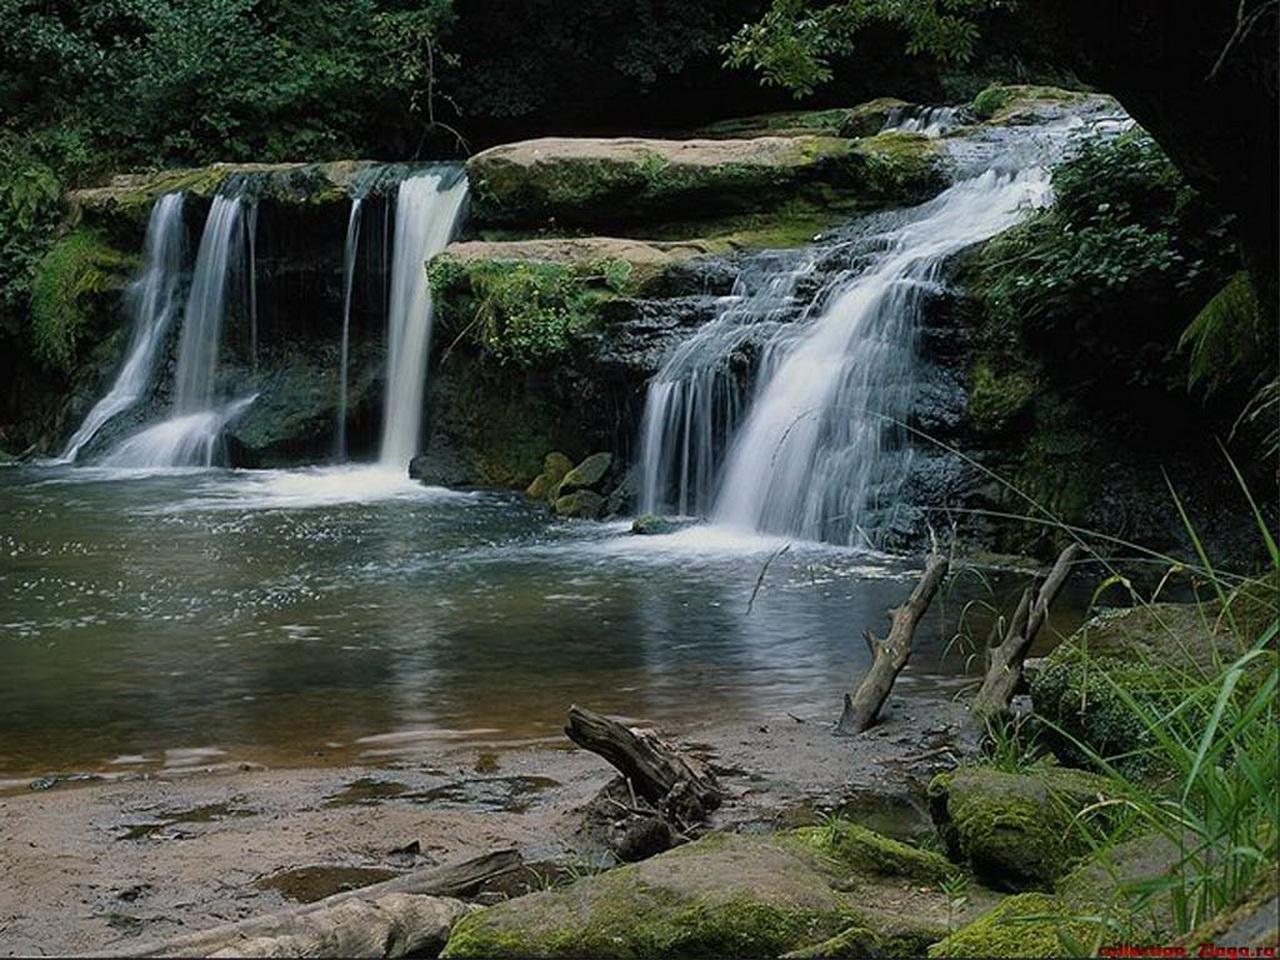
x=96, y=866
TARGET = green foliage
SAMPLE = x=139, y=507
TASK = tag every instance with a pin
x=76, y=268
x=1228, y=341
x=1104, y=279
x=792, y=44
x=29, y=206
x=521, y=311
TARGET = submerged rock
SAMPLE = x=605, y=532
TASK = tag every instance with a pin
x=1016, y=830
x=650, y=525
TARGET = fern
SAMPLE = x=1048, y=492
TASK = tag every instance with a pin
x=77, y=267
x=1224, y=338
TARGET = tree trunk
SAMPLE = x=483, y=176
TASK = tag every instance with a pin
x=656, y=770
x=387, y=907
x=1004, y=670
x=890, y=655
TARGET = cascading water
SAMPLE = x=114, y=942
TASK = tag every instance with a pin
x=817, y=449
x=190, y=437
x=428, y=209
x=348, y=284
x=153, y=301
x=696, y=398
x=251, y=237
x=810, y=459
x=929, y=121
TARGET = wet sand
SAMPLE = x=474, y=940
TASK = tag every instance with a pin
x=99, y=866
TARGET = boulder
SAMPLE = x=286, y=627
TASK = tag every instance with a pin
x=545, y=484
x=868, y=119
x=588, y=475
x=593, y=181
x=722, y=896
x=581, y=505
x=1016, y=830
x=1022, y=104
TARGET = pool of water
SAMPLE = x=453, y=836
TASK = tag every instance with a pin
x=323, y=615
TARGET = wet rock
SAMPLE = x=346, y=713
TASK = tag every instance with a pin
x=1028, y=925
x=650, y=525
x=642, y=839
x=587, y=475
x=868, y=119
x=545, y=484
x=581, y=505
x=1016, y=830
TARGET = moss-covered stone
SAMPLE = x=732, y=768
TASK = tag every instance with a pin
x=997, y=397
x=579, y=505
x=1019, y=104
x=650, y=525
x=1017, y=831
x=723, y=896
x=590, y=181
x=544, y=486
x=862, y=851
x=1252, y=923
x=524, y=311
x=1145, y=656
x=1026, y=925
x=852, y=944
x=868, y=119
x=588, y=475
x=785, y=123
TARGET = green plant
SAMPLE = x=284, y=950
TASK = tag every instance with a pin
x=1012, y=744
x=76, y=268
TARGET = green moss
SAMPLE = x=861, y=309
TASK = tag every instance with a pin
x=997, y=397
x=1026, y=925
x=79, y=269
x=847, y=945
x=1001, y=104
x=900, y=168
x=787, y=122
x=1018, y=831
x=864, y=851
x=523, y=311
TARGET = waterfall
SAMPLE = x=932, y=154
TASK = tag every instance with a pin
x=929, y=121
x=152, y=300
x=194, y=383
x=428, y=208
x=694, y=402
x=251, y=235
x=813, y=457
x=348, y=282
x=191, y=435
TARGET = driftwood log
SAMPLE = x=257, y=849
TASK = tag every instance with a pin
x=1005, y=663
x=676, y=784
x=387, y=919
x=890, y=655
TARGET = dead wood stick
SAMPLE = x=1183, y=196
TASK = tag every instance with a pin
x=1004, y=670
x=890, y=655
x=653, y=767
x=454, y=880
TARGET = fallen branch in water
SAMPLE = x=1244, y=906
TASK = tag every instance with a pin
x=890, y=655
x=1006, y=663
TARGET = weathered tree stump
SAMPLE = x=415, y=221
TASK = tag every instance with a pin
x=394, y=918
x=677, y=785
x=1005, y=664
x=891, y=654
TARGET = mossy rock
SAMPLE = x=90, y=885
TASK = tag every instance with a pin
x=523, y=311
x=852, y=944
x=580, y=505
x=864, y=851
x=784, y=123
x=722, y=896
x=580, y=182
x=1252, y=923
x=1021, y=104
x=650, y=525
x=1147, y=656
x=997, y=397
x=868, y=119
x=1026, y=925
x=1018, y=831
x=1106, y=884
x=588, y=475
x=544, y=486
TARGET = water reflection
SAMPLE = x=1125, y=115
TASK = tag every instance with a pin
x=343, y=612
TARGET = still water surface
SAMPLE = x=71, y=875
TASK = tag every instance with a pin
x=324, y=615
